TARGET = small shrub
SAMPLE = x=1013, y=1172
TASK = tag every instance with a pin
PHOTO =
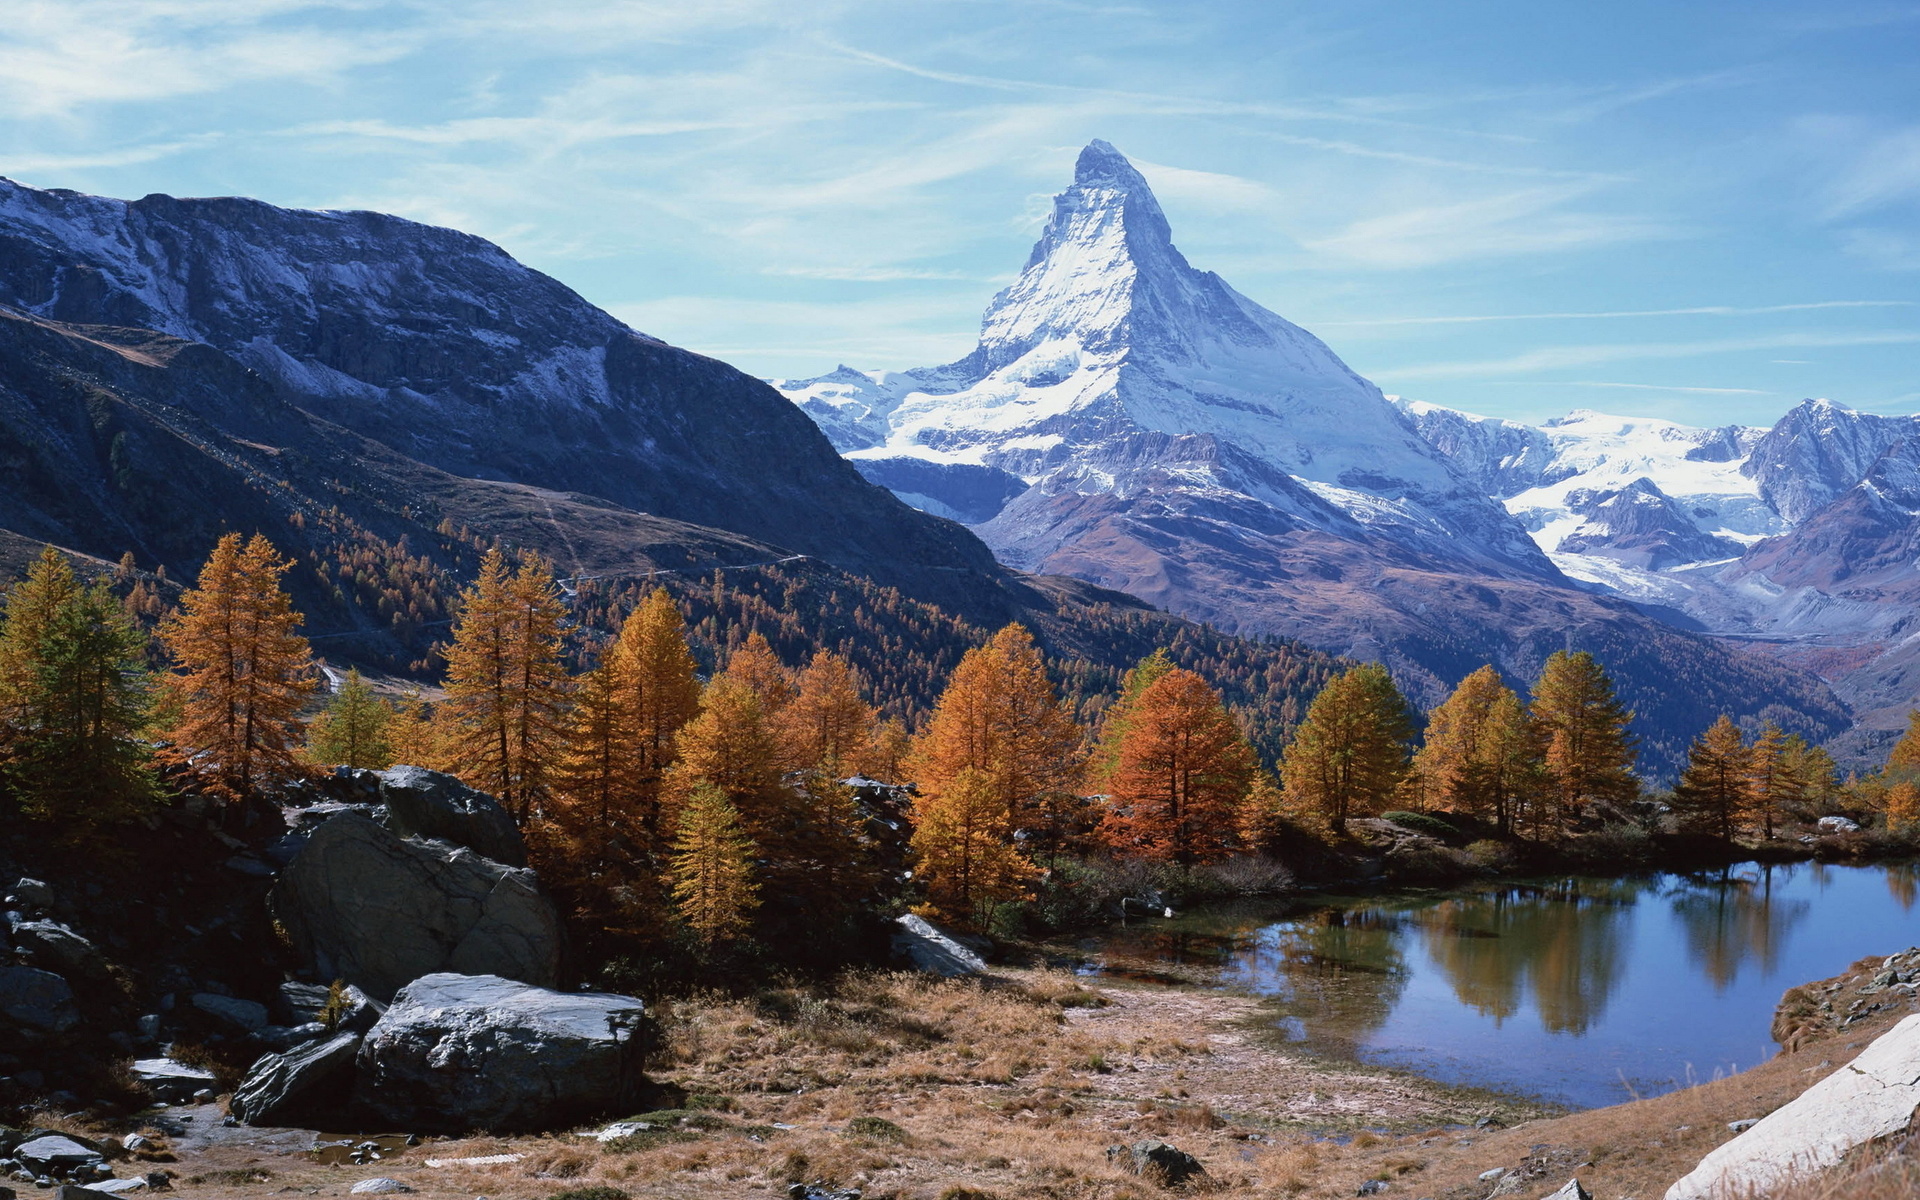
x=1425, y=823
x=962, y=1192
x=877, y=1129
x=714, y=1103
x=597, y=1192
x=335, y=1009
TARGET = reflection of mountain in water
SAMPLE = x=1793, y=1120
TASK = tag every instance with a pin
x=1567, y=945
x=1339, y=971
x=1731, y=919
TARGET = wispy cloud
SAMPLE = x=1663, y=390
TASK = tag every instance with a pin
x=1529, y=221
x=1551, y=357
x=1633, y=387
x=1709, y=310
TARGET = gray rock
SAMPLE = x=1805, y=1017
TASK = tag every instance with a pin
x=1838, y=825
x=53, y=945
x=55, y=1152
x=243, y=1015
x=363, y=904
x=1372, y=1187
x=304, y=1002
x=1872, y=1097
x=134, y=1142
x=1572, y=1190
x=932, y=949
x=311, y=1083
x=36, y=1002
x=462, y=1052
x=170, y=1081
x=378, y=1187
x=32, y=893
x=115, y=1187
x=431, y=804
x=1157, y=1161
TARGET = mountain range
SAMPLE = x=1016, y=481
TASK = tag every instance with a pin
x=1131, y=420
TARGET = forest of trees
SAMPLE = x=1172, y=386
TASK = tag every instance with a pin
x=724, y=812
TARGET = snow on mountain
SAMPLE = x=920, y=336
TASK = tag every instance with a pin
x=1112, y=367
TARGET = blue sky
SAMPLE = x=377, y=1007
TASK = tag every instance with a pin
x=1704, y=211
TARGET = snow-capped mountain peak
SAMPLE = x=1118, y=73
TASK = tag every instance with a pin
x=1112, y=366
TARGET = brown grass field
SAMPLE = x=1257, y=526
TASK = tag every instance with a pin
x=1014, y=1087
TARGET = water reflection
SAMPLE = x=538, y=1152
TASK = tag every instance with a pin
x=1562, y=988
x=1734, y=918
x=1564, y=945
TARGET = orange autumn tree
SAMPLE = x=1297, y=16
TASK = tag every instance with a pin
x=244, y=673
x=711, y=871
x=999, y=716
x=961, y=850
x=756, y=665
x=506, y=687
x=1184, y=769
x=827, y=727
x=661, y=694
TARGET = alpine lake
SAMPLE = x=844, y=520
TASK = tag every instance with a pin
x=1576, y=991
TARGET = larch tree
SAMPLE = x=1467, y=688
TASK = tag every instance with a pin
x=1712, y=795
x=1184, y=770
x=1903, y=806
x=1480, y=753
x=244, y=673
x=661, y=694
x=1105, y=759
x=1905, y=756
x=506, y=686
x=1771, y=785
x=730, y=746
x=756, y=665
x=827, y=727
x=1349, y=753
x=999, y=716
x=961, y=849
x=596, y=781
x=1264, y=811
x=712, y=871
x=74, y=691
x=352, y=730
x=1589, y=754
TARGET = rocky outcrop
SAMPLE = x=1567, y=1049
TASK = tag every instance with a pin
x=462, y=1052
x=307, y=1084
x=363, y=904
x=1157, y=1161
x=1872, y=1097
x=932, y=949
x=433, y=804
x=35, y=1004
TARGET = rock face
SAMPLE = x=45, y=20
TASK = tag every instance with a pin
x=1873, y=1096
x=363, y=904
x=35, y=1003
x=930, y=948
x=311, y=1083
x=460, y=1052
x=432, y=804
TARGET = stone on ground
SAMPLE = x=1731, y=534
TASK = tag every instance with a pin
x=170, y=1081
x=431, y=804
x=300, y=1086
x=1157, y=1161
x=462, y=1052
x=1872, y=1097
x=363, y=904
x=378, y=1187
x=932, y=949
x=35, y=1003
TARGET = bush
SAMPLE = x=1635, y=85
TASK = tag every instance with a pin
x=1424, y=823
x=601, y=1192
x=877, y=1129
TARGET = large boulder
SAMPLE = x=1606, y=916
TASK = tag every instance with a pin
x=306, y=1003
x=363, y=904
x=929, y=948
x=172, y=1082
x=309, y=1084
x=53, y=945
x=462, y=1052
x=35, y=1003
x=432, y=804
x=1872, y=1097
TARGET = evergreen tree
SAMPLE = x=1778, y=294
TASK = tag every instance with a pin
x=352, y=730
x=244, y=674
x=999, y=716
x=596, y=781
x=506, y=687
x=827, y=726
x=1105, y=759
x=1348, y=755
x=712, y=871
x=961, y=849
x=414, y=737
x=1812, y=774
x=1771, y=786
x=1264, y=810
x=73, y=687
x=1184, y=770
x=1712, y=795
x=1589, y=754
